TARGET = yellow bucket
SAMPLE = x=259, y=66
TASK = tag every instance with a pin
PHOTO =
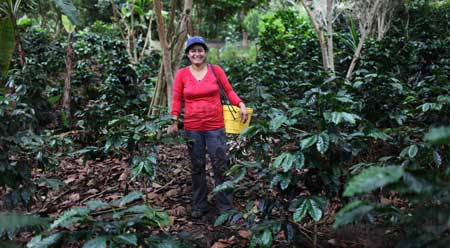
x=232, y=119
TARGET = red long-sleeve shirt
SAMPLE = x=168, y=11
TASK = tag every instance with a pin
x=202, y=105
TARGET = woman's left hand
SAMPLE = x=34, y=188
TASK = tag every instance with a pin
x=243, y=112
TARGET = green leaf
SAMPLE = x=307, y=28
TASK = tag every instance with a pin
x=7, y=44
x=24, y=22
x=351, y=212
x=130, y=198
x=373, y=178
x=279, y=160
x=443, y=99
x=288, y=161
x=308, y=142
x=39, y=242
x=301, y=211
x=350, y=118
x=410, y=151
x=68, y=25
x=314, y=209
x=99, y=242
x=430, y=106
x=233, y=168
x=339, y=117
x=276, y=122
x=69, y=217
x=275, y=180
x=227, y=185
x=139, y=10
x=437, y=159
x=68, y=9
x=240, y=175
x=439, y=135
x=377, y=134
x=266, y=238
x=162, y=218
x=138, y=209
x=96, y=204
x=221, y=219
x=126, y=239
x=311, y=205
x=285, y=183
x=300, y=162
x=417, y=183
x=323, y=142
x=54, y=183
x=13, y=222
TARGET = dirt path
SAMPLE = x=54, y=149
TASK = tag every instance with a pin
x=111, y=179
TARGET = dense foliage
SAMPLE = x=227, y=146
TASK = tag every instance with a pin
x=314, y=133
x=376, y=145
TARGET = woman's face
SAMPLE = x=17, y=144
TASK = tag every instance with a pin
x=197, y=54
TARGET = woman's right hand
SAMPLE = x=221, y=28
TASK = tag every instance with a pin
x=173, y=128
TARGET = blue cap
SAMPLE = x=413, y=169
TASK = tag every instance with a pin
x=195, y=40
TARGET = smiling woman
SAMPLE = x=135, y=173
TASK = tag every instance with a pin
x=198, y=87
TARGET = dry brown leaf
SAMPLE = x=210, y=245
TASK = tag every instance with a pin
x=171, y=220
x=79, y=160
x=177, y=171
x=92, y=191
x=113, y=197
x=155, y=185
x=72, y=178
x=74, y=197
x=172, y=192
x=245, y=233
x=222, y=243
x=123, y=176
x=177, y=211
x=152, y=196
x=91, y=182
x=385, y=201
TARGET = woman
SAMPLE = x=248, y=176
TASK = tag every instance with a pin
x=198, y=86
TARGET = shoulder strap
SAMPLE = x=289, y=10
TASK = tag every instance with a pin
x=222, y=91
x=215, y=75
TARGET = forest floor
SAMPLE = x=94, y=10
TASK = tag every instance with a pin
x=110, y=179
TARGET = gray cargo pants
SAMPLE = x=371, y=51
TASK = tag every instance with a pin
x=214, y=141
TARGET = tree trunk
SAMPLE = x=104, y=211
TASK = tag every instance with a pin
x=171, y=54
x=67, y=77
x=384, y=17
x=171, y=25
x=364, y=35
x=329, y=28
x=320, y=35
x=19, y=45
x=167, y=78
x=244, y=39
x=178, y=40
x=243, y=31
x=42, y=14
x=148, y=39
x=20, y=49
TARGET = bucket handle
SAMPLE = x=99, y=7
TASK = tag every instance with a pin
x=232, y=111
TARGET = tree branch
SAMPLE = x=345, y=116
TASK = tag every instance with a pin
x=364, y=35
